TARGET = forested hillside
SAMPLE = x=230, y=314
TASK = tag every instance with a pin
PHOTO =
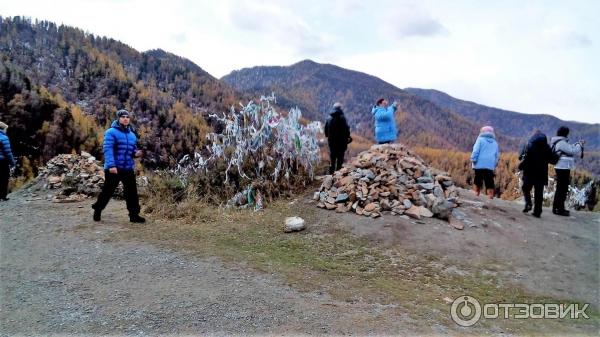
x=61, y=85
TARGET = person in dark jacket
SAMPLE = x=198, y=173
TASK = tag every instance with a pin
x=337, y=132
x=563, y=167
x=6, y=161
x=536, y=156
x=119, y=152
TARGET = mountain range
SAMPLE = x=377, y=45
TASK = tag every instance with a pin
x=426, y=117
x=510, y=123
x=314, y=87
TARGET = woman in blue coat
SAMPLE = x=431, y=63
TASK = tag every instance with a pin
x=385, y=123
x=484, y=158
x=119, y=152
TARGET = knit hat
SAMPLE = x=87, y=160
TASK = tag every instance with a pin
x=122, y=112
x=337, y=105
x=487, y=128
x=3, y=127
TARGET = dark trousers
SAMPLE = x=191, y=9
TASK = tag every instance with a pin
x=484, y=175
x=336, y=156
x=4, y=175
x=563, y=180
x=111, y=181
x=538, y=196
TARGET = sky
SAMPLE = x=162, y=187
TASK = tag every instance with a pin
x=525, y=56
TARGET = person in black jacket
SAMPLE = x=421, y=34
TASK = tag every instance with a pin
x=536, y=156
x=338, y=136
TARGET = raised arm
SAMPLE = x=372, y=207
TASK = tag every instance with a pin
x=569, y=149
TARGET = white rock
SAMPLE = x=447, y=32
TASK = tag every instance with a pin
x=294, y=224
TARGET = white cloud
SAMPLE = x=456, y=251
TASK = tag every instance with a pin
x=409, y=20
x=346, y=8
x=180, y=37
x=268, y=21
x=564, y=38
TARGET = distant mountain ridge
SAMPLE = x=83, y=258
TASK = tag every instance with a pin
x=314, y=87
x=511, y=123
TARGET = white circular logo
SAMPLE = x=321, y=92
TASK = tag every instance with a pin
x=465, y=311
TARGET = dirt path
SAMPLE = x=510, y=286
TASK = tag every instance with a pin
x=56, y=279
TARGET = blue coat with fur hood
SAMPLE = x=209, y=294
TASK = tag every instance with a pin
x=485, y=153
x=385, y=123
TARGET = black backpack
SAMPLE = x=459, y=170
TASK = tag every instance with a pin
x=554, y=154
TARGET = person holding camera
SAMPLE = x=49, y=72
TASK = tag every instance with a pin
x=567, y=152
x=385, y=121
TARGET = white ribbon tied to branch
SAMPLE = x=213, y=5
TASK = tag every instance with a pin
x=254, y=136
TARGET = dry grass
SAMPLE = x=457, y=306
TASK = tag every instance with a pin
x=328, y=259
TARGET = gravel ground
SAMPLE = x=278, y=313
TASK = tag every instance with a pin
x=60, y=275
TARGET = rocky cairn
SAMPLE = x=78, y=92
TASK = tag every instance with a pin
x=390, y=179
x=73, y=177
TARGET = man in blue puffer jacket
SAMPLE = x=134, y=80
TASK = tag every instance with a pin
x=484, y=158
x=385, y=123
x=6, y=161
x=119, y=152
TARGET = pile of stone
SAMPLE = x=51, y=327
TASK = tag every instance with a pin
x=72, y=177
x=388, y=178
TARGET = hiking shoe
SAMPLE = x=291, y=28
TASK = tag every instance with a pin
x=97, y=215
x=527, y=208
x=5, y=199
x=136, y=219
x=537, y=215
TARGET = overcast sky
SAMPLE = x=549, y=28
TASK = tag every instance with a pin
x=526, y=56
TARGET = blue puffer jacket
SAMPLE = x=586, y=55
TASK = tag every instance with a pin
x=5, y=151
x=385, y=123
x=119, y=147
x=485, y=152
